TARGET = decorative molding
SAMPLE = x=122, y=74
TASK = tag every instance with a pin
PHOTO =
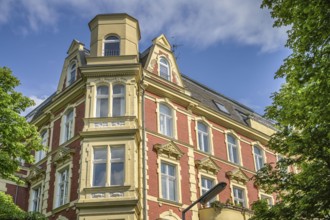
x=208, y=165
x=237, y=175
x=169, y=149
x=36, y=174
x=62, y=155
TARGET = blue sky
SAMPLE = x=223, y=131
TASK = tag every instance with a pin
x=228, y=45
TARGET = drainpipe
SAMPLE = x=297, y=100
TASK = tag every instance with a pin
x=144, y=172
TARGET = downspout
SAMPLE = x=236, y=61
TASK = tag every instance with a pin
x=144, y=172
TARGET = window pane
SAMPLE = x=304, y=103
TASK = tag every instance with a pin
x=99, y=174
x=102, y=90
x=117, y=152
x=100, y=153
x=102, y=107
x=119, y=89
x=202, y=127
x=117, y=107
x=164, y=187
x=117, y=173
x=231, y=139
x=172, y=190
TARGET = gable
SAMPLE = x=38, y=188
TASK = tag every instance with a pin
x=238, y=175
x=162, y=48
x=74, y=53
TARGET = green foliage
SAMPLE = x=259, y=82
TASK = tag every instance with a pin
x=302, y=110
x=17, y=137
x=9, y=211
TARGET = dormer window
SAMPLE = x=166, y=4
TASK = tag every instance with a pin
x=71, y=73
x=111, y=46
x=164, y=69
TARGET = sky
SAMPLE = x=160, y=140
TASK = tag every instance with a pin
x=228, y=45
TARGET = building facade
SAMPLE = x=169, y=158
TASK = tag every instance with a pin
x=129, y=137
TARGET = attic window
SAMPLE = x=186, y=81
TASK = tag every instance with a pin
x=222, y=108
x=71, y=73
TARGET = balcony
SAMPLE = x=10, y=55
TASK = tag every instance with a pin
x=224, y=212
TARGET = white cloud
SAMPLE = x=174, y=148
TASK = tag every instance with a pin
x=37, y=101
x=201, y=23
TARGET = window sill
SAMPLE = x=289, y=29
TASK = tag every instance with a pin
x=61, y=208
x=169, y=202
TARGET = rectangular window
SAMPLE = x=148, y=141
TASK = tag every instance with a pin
x=239, y=197
x=233, y=153
x=115, y=165
x=207, y=184
x=118, y=100
x=100, y=166
x=169, y=181
x=268, y=199
x=36, y=199
x=165, y=120
x=62, y=187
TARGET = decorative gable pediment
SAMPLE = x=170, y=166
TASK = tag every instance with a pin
x=162, y=48
x=75, y=45
x=238, y=175
x=62, y=156
x=162, y=40
x=36, y=174
x=169, y=150
x=208, y=165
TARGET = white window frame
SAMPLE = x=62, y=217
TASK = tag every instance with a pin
x=101, y=96
x=168, y=179
x=59, y=201
x=206, y=135
x=109, y=161
x=214, y=182
x=166, y=65
x=269, y=198
x=70, y=70
x=111, y=41
x=33, y=199
x=122, y=98
x=257, y=157
x=231, y=147
x=64, y=124
x=41, y=154
x=166, y=118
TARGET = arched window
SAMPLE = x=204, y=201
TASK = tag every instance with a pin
x=165, y=120
x=118, y=100
x=203, y=137
x=232, y=149
x=111, y=46
x=68, y=125
x=164, y=69
x=102, y=101
x=71, y=73
x=258, y=157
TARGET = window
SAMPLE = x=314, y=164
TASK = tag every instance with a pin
x=268, y=199
x=169, y=181
x=258, y=157
x=102, y=101
x=164, y=69
x=68, y=125
x=165, y=120
x=203, y=137
x=116, y=165
x=71, y=73
x=111, y=46
x=207, y=184
x=62, y=187
x=239, y=196
x=36, y=199
x=232, y=149
x=222, y=108
x=118, y=100
x=39, y=155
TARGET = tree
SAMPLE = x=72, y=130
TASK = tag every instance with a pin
x=18, y=138
x=301, y=109
x=10, y=211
